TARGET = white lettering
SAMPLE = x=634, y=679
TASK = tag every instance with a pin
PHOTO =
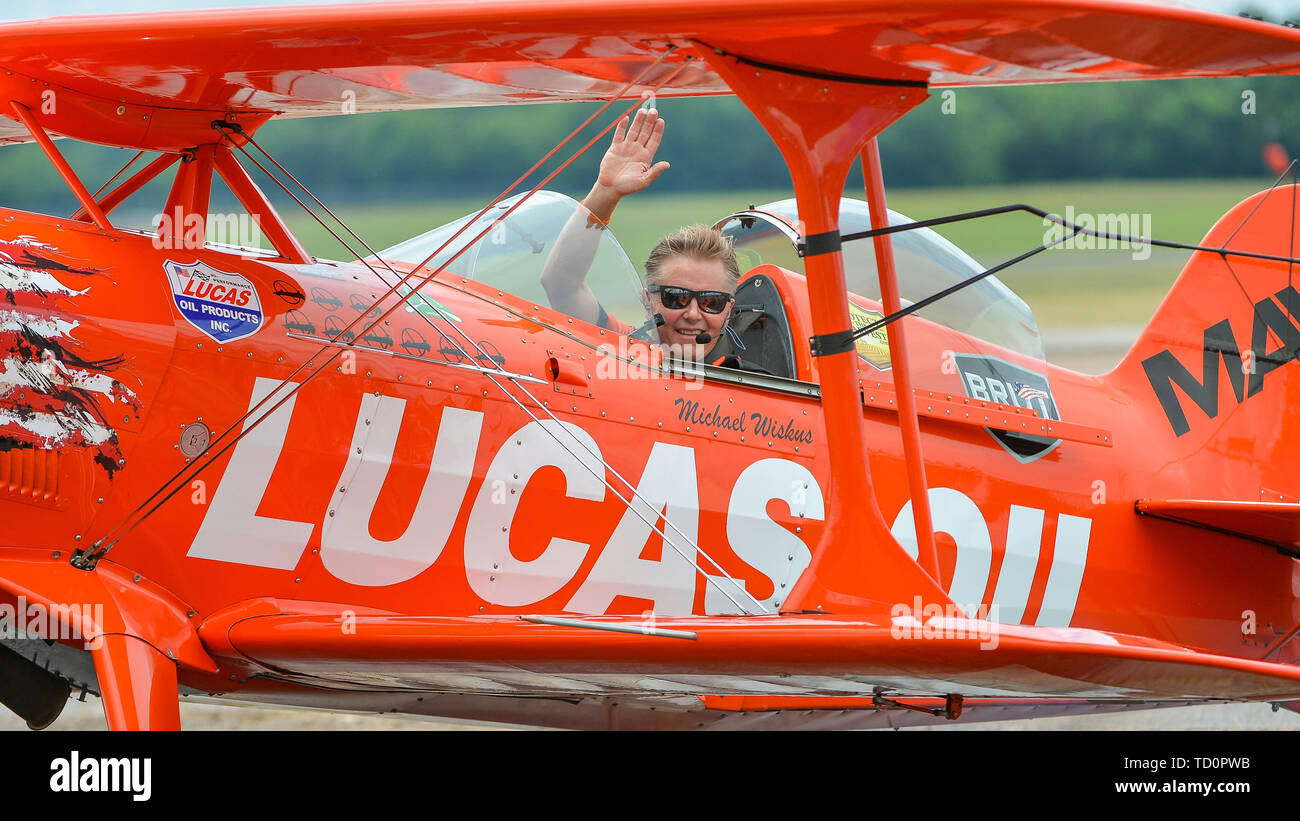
x=347, y=548
x=1068, y=563
x=764, y=544
x=1019, y=562
x=667, y=488
x=129, y=775
x=493, y=572
x=231, y=530
x=955, y=514
x=998, y=390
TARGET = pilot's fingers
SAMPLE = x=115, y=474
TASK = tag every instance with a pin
x=655, y=170
x=620, y=131
x=648, y=127
x=634, y=134
x=656, y=137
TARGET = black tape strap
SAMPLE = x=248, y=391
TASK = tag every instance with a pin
x=824, y=243
x=833, y=343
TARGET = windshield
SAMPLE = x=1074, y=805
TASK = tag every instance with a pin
x=981, y=342
x=515, y=248
x=926, y=264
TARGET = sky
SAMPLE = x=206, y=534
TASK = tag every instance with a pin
x=1275, y=10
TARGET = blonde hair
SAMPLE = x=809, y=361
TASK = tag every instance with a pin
x=698, y=242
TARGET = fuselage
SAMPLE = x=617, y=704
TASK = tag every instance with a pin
x=467, y=453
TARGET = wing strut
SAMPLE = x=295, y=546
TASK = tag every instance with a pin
x=821, y=124
x=129, y=186
x=908, y=424
x=97, y=214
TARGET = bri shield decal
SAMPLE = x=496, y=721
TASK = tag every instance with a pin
x=224, y=306
x=991, y=379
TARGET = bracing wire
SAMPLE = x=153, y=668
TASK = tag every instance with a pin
x=101, y=548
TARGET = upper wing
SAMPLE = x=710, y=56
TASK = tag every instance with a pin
x=157, y=80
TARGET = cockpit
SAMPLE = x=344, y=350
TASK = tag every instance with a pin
x=981, y=339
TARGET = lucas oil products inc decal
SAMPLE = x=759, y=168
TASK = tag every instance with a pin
x=222, y=305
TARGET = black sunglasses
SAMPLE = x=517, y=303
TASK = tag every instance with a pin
x=675, y=299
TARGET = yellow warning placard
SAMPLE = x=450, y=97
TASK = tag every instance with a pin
x=874, y=347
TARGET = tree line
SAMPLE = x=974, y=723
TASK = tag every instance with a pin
x=968, y=136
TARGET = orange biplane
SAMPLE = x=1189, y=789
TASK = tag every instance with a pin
x=407, y=483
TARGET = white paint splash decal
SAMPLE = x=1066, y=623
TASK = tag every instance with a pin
x=50, y=396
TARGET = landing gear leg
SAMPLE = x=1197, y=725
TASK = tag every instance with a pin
x=138, y=685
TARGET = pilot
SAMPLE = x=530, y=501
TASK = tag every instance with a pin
x=691, y=275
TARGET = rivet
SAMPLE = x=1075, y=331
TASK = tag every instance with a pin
x=100, y=500
x=136, y=578
x=331, y=513
x=56, y=554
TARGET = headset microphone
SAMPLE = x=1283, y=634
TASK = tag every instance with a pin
x=703, y=337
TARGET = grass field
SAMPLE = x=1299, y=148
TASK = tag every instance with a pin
x=1070, y=291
